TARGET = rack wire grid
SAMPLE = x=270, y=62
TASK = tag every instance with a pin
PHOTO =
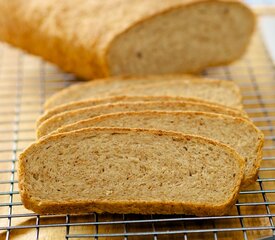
x=26, y=81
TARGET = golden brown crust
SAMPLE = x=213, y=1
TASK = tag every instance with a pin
x=128, y=207
x=248, y=179
x=142, y=207
x=24, y=25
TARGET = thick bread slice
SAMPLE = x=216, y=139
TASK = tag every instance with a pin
x=101, y=87
x=240, y=134
x=74, y=116
x=129, y=171
x=93, y=102
x=109, y=87
x=104, y=43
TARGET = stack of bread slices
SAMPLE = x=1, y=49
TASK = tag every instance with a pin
x=170, y=144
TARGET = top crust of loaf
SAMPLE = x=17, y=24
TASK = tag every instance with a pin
x=145, y=207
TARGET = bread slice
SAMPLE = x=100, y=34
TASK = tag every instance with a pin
x=74, y=116
x=94, y=102
x=240, y=134
x=173, y=36
x=100, y=88
x=220, y=91
x=225, y=93
x=129, y=171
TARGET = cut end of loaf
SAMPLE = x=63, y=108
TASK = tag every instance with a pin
x=183, y=39
x=129, y=171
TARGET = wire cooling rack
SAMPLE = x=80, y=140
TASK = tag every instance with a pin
x=26, y=81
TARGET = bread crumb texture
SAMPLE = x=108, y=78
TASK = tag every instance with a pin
x=129, y=171
x=70, y=117
x=239, y=133
x=217, y=91
x=92, y=102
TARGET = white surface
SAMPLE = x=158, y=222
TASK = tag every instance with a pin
x=267, y=26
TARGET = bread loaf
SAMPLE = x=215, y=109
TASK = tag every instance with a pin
x=74, y=116
x=102, y=38
x=218, y=91
x=116, y=99
x=238, y=133
x=129, y=171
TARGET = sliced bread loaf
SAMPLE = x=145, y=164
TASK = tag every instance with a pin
x=219, y=91
x=74, y=116
x=93, y=102
x=129, y=171
x=238, y=133
x=173, y=36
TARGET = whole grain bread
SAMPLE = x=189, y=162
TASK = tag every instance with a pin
x=99, y=101
x=223, y=92
x=219, y=91
x=173, y=36
x=239, y=133
x=129, y=171
x=77, y=115
x=99, y=88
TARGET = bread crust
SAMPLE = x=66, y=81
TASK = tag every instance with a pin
x=25, y=24
x=248, y=179
x=138, y=207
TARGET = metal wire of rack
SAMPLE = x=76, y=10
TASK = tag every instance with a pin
x=26, y=81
